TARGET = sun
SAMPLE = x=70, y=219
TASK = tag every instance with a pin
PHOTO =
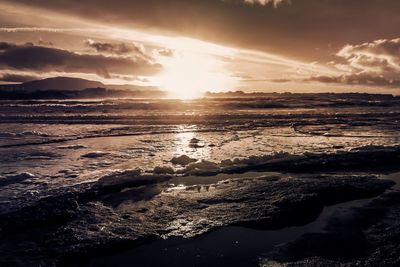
x=188, y=75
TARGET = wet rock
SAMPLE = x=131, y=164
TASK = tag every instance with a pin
x=265, y=204
x=95, y=154
x=194, y=143
x=370, y=158
x=128, y=206
x=226, y=163
x=17, y=178
x=204, y=167
x=123, y=180
x=118, y=177
x=47, y=211
x=361, y=159
x=182, y=160
x=163, y=170
x=365, y=236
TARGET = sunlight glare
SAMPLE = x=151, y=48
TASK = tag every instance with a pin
x=188, y=74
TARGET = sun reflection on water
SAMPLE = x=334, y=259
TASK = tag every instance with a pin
x=187, y=142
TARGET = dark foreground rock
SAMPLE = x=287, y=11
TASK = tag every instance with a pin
x=128, y=209
x=366, y=236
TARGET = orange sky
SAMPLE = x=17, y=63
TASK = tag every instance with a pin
x=188, y=47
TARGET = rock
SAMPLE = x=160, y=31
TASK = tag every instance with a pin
x=17, y=178
x=163, y=170
x=202, y=167
x=45, y=212
x=95, y=154
x=118, y=177
x=366, y=236
x=182, y=160
x=194, y=143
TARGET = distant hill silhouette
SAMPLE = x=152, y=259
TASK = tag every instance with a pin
x=74, y=88
x=60, y=83
x=69, y=84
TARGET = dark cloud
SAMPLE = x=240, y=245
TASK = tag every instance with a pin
x=375, y=63
x=357, y=79
x=4, y=45
x=17, y=78
x=45, y=59
x=302, y=30
x=107, y=47
x=306, y=29
x=275, y=3
x=117, y=49
x=41, y=42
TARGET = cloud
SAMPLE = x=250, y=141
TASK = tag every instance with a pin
x=380, y=56
x=375, y=63
x=41, y=42
x=17, y=78
x=46, y=59
x=317, y=28
x=165, y=52
x=275, y=3
x=357, y=79
x=4, y=46
x=118, y=48
x=281, y=80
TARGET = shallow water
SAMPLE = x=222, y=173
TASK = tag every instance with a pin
x=54, y=148
x=70, y=142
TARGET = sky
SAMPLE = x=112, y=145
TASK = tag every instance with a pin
x=190, y=46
